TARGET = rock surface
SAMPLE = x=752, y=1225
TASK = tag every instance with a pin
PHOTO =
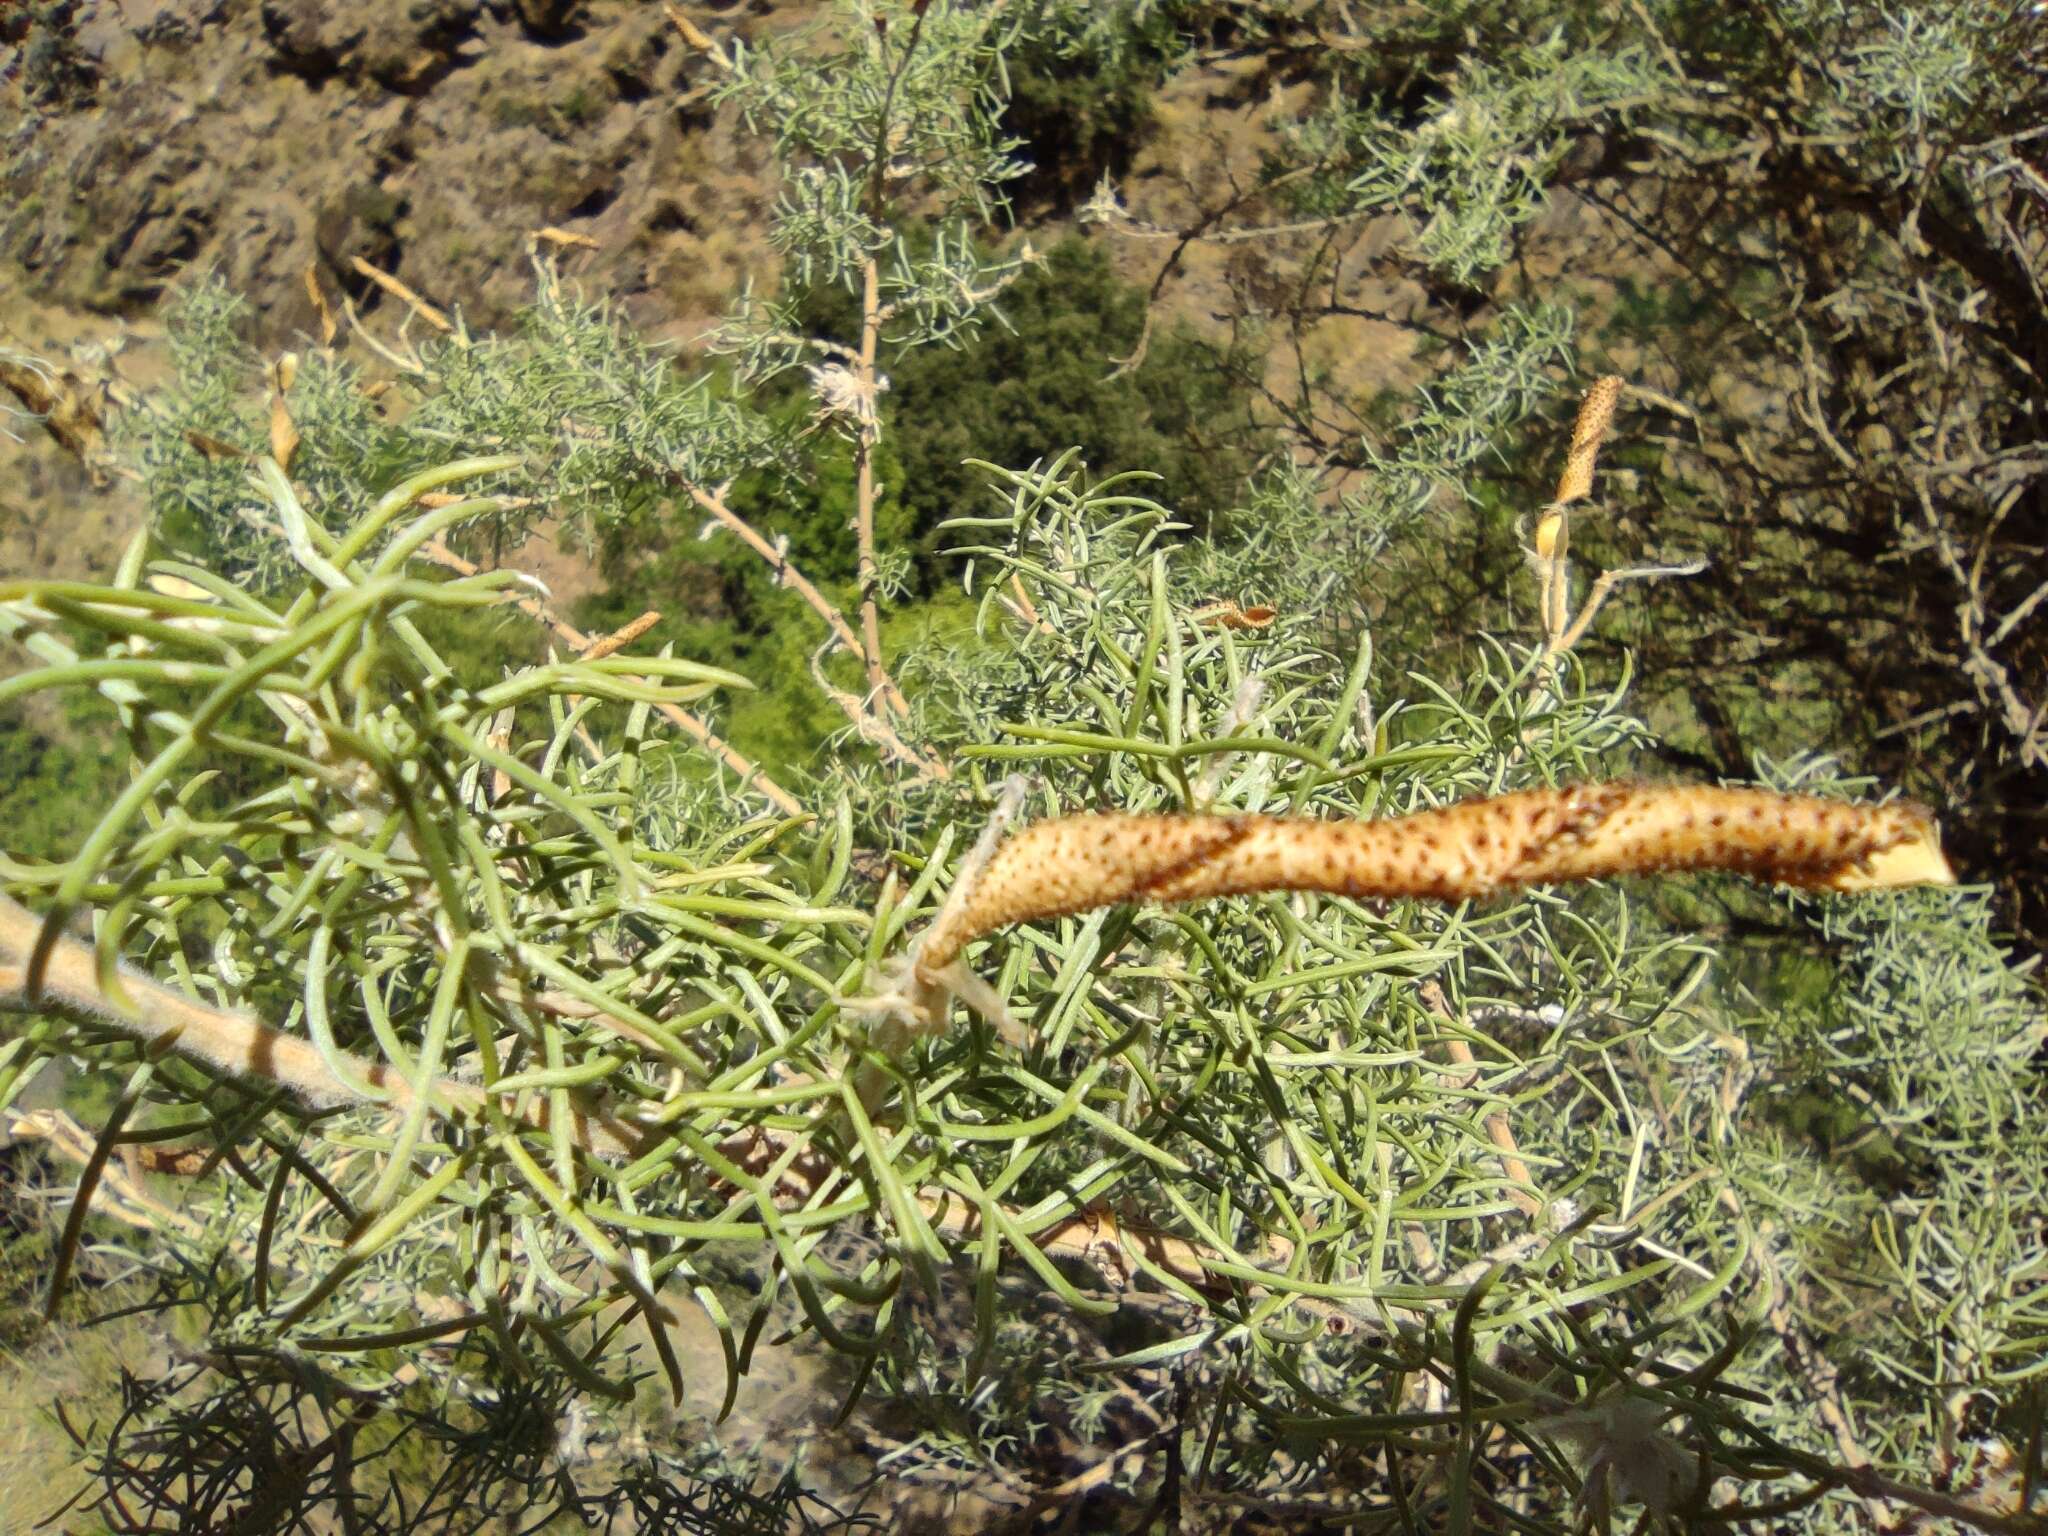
x=269, y=141
x=426, y=137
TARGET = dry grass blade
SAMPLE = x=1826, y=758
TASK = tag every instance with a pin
x=284, y=437
x=322, y=310
x=391, y=285
x=566, y=237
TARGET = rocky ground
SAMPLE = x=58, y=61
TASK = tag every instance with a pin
x=281, y=143
x=425, y=137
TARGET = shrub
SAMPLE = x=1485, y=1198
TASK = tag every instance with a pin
x=500, y=1016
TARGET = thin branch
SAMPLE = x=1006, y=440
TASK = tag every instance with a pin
x=1502, y=1134
x=391, y=285
x=237, y=1044
x=866, y=429
x=879, y=170
x=1822, y=1380
x=1604, y=586
x=404, y=364
x=1552, y=545
x=1109, y=210
x=120, y=1193
x=778, y=561
x=860, y=713
x=750, y=774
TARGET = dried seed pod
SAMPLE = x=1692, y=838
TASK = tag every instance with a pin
x=1463, y=852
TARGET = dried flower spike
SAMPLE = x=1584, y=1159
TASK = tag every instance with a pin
x=1463, y=852
x=1596, y=414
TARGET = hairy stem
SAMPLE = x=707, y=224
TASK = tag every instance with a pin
x=880, y=686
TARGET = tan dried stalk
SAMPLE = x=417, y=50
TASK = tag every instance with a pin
x=398, y=290
x=122, y=1192
x=1468, y=851
x=1550, y=557
x=322, y=311
x=1596, y=414
x=1498, y=1130
x=619, y=639
x=881, y=687
x=1553, y=529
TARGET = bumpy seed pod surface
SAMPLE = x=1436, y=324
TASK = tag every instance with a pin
x=1467, y=851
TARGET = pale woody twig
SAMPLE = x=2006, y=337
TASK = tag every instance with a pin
x=123, y=1194
x=591, y=647
x=1497, y=1128
x=558, y=237
x=713, y=501
x=1025, y=611
x=867, y=721
x=881, y=688
x=411, y=364
x=862, y=714
x=1604, y=586
x=237, y=1044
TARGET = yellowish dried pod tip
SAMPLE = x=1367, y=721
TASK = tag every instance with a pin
x=1596, y=414
x=1464, y=852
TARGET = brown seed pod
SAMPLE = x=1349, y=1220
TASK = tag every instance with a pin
x=1464, y=852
